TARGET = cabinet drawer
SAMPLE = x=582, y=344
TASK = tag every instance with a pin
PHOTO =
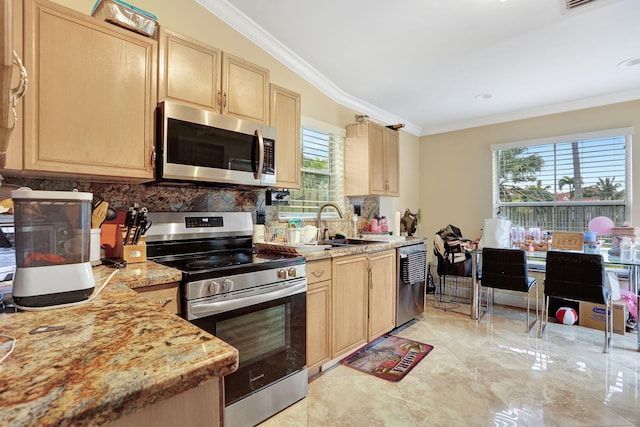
x=318, y=271
x=166, y=296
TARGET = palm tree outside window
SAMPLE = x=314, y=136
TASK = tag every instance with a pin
x=562, y=183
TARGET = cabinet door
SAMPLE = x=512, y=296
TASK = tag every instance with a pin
x=189, y=71
x=377, y=160
x=349, y=303
x=13, y=157
x=382, y=293
x=392, y=156
x=92, y=94
x=318, y=324
x=166, y=296
x=285, y=117
x=245, y=89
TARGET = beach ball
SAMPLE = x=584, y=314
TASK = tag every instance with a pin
x=566, y=315
x=601, y=225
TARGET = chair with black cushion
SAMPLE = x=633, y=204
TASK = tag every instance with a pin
x=507, y=269
x=580, y=277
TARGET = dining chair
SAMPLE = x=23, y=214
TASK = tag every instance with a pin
x=580, y=277
x=507, y=269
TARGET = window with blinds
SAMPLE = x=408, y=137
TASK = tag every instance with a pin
x=322, y=175
x=562, y=183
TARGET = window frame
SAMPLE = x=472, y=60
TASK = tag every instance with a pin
x=627, y=133
x=336, y=132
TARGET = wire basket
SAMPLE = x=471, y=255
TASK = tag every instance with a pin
x=306, y=235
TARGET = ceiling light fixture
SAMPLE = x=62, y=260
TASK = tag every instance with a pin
x=484, y=96
x=630, y=62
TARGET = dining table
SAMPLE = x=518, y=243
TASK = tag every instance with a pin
x=539, y=257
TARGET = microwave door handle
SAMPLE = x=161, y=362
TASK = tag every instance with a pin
x=258, y=174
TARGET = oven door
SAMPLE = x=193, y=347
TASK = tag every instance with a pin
x=270, y=337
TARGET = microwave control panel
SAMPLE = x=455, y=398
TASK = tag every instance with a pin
x=269, y=166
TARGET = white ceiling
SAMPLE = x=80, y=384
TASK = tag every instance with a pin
x=423, y=62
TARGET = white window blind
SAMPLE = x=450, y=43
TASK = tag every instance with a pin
x=563, y=184
x=322, y=175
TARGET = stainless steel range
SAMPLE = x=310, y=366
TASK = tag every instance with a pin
x=256, y=303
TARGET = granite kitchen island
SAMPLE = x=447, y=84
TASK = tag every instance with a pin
x=110, y=360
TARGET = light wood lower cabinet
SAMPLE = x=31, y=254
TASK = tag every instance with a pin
x=382, y=293
x=199, y=407
x=166, y=296
x=351, y=300
x=350, y=294
x=318, y=314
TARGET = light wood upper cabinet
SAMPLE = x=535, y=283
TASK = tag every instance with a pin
x=371, y=160
x=6, y=65
x=13, y=156
x=382, y=293
x=189, y=70
x=89, y=107
x=285, y=117
x=202, y=75
x=245, y=89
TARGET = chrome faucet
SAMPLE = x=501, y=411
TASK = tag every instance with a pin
x=321, y=208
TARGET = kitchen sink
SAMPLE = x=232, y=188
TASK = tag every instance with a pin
x=348, y=242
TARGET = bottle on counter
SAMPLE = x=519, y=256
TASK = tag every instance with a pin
x=384, y=226
x=626, y=249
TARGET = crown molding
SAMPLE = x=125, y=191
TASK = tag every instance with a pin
x=564, y=107
x=252, y=31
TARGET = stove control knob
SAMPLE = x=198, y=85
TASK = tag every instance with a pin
x=214, y=287
x=292, y=272
x=282, y=274
x=227, y=285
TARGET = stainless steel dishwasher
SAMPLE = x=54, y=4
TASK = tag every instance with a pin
x=412, y=265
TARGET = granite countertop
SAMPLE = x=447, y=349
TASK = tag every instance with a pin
x=359, y=249
x=110, y=357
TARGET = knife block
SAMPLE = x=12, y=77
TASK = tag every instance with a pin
x=130, y=253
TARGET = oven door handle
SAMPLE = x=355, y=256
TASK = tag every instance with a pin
x=198, y=310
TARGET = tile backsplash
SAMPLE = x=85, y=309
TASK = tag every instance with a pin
x=186, y=198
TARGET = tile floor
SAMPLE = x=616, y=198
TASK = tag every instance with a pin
x=491, y=373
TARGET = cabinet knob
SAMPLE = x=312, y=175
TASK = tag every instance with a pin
x=318, y=273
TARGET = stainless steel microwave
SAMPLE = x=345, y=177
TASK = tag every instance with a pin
x=202, y=146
